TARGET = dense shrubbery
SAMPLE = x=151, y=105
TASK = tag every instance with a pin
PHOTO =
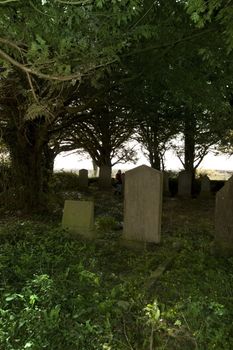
x=65, y=181
x=58, y=292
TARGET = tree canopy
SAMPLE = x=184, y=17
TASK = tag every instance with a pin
x=170, y=64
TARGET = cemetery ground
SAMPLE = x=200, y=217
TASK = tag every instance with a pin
x=63, y=292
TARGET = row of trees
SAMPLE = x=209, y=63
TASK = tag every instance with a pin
x=93, y=74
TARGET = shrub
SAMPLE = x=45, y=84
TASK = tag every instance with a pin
x=65, y=181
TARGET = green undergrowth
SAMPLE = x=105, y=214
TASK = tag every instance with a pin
x=64, y=293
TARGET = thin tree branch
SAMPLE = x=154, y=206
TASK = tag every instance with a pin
x=36, y=9
x=32, y=88
x=144, y=15
x=2, y=2
x=81, y=2
x=78, y=76
x=169, y=45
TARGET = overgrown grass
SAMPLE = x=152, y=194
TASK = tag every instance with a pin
x=60, y=292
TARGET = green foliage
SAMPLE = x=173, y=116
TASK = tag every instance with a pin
x=105, y=223
x=217, y=12
x=65, y=40
x=65, y=181
x=58, y=292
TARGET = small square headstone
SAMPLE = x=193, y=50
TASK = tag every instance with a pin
x=78, y=217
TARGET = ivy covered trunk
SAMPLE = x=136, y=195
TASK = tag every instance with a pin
x=28, y=161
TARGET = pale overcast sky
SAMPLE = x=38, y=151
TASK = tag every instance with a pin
x=74, y=162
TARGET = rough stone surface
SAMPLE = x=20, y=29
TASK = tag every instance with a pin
x=83, y=178
x=184, y=184
x=223, y=242
x=205, y=186
x=143, y=204
x=78, y=217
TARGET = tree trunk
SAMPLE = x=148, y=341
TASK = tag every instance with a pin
x=105, y=165
x=48, y=164
x=155, y=161
x=189, y=145
x=29, y=166
x=105, y=176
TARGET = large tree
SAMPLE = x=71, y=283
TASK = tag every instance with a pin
x=106, y=128
x=74, y=42
x=44, y=46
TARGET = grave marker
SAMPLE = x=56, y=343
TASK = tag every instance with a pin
x=83, y=178
x=78, y=217
x=184, y=184
x=223, y=242
x=205, y=186
x=143, y=204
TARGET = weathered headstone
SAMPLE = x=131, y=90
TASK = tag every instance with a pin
x=78, y=217
x=166, y=190
x=205, y=186
x=143, y=204
x=184, y=184
x=223, y=242
x=83, y=178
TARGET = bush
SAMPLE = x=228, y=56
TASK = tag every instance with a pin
x=65, y=181
x=105, y=223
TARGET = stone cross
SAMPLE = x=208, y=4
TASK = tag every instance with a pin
x=223, y=242
x=83, y=178
x=143, y=204
x=78, y=217
x=184, y=184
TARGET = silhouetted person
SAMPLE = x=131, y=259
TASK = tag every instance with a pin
x=118, y=182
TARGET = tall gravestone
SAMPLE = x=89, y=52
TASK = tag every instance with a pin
x=83, y=178
x=143, y=204
x=223, y=242
x=184, y=184
x=205, y=186
x=78, y=217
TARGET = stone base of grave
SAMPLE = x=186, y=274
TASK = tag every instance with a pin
x=222, y=249
x=80, y=233
x=138, y=245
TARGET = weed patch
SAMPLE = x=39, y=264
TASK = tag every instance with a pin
x=60, y=292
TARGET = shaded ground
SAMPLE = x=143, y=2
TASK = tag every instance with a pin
x=60, y=292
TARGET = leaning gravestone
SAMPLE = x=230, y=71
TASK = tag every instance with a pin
x=78, y=217
x=184, y=184
x=143, y=204
x=205, y=186
x=223, y=242
x=83, y=178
